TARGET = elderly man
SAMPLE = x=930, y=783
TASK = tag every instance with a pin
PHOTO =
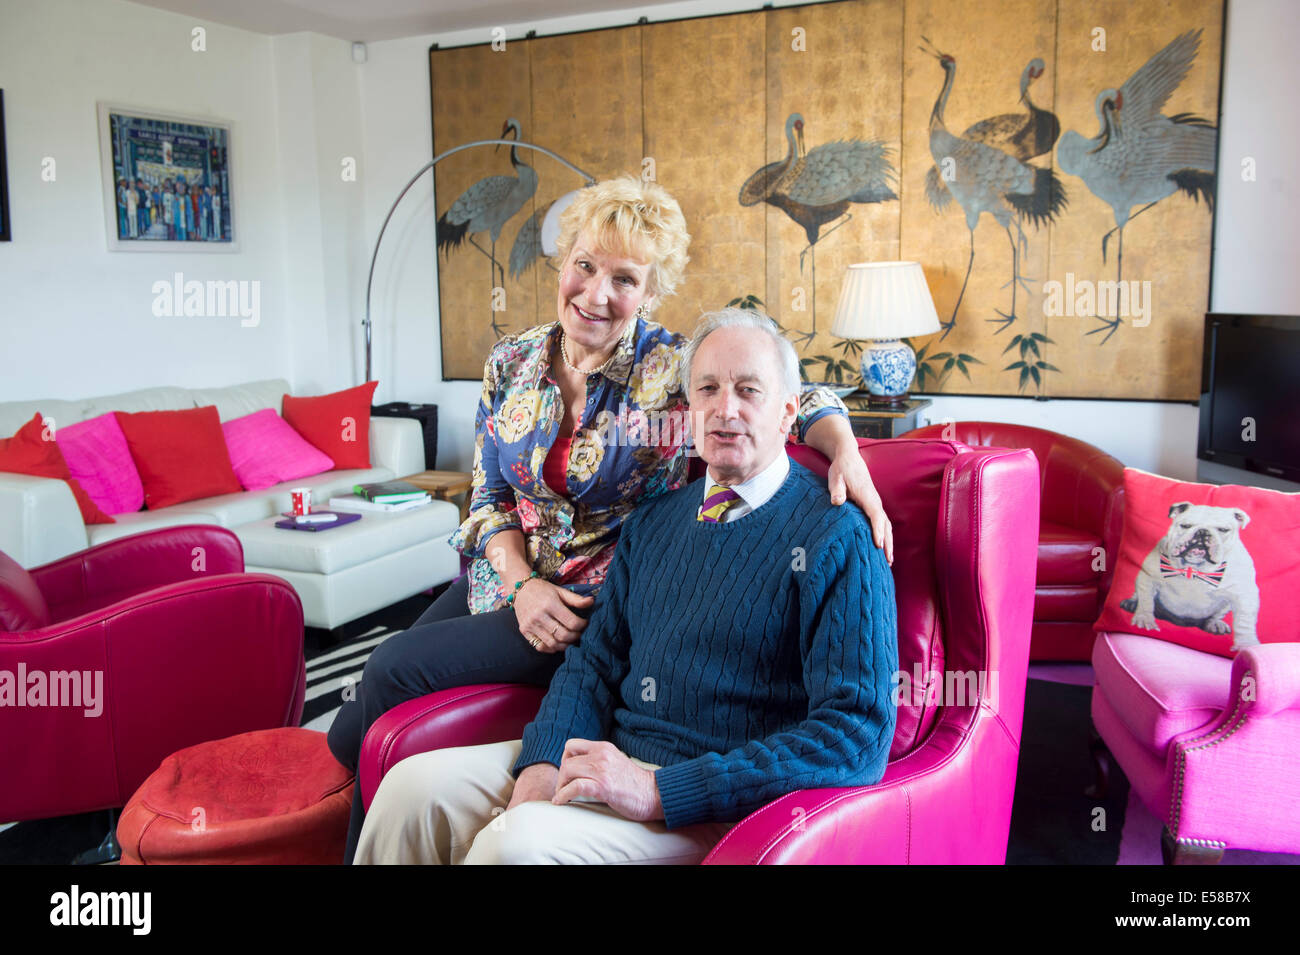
x=742, y=648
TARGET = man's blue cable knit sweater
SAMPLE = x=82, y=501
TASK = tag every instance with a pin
x=748, y=659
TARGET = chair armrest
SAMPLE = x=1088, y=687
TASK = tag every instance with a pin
x=95, y=577
x=178, y=665
x=39, y=519
x=1252, y=745
x=1266, y=679
x=464, y=716
x=397, y=444
x=947, y=802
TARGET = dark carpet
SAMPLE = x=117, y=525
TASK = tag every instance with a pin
x=1052, y=821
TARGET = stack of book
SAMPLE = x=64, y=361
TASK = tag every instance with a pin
x=385, y=496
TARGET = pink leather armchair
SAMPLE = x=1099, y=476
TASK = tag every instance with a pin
x=1207, y=742
x=1082, y=494
x=188, y=648
x=964, y=577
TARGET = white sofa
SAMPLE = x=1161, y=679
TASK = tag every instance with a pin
x=339, y=574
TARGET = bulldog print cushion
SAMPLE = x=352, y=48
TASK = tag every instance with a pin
x=1212, y=567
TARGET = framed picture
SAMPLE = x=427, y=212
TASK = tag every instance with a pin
x=4, y=177
x=168, y=181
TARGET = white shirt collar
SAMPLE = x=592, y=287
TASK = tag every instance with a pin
x=759, y=489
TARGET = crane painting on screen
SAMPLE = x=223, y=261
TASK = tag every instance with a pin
x=987, y=170
x=815, y=187
x=527, y=247
x=1026, y=135
x=1140, y=156
x=487, y=206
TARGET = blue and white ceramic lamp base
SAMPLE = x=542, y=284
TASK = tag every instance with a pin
x=888, y=367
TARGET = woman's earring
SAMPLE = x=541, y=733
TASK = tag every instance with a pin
x=642, y=312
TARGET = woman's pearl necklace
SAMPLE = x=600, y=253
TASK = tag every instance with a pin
x=564, y=354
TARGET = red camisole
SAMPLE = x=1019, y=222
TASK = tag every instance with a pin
x=556, y=466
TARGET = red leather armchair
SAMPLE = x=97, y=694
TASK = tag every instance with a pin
x=172, y=643
x=963, y=572
x=1082, y=493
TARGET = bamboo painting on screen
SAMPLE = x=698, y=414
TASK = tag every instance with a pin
x=1050, y=163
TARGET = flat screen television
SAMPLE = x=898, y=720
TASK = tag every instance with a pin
x=1250, y=401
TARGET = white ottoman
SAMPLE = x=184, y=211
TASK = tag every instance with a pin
x=350, y=571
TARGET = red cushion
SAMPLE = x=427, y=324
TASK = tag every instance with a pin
x=1210, y=567
x=31, y=452
x=338, y=424
x=270, y=797
x=181, y=455
x=22, y=605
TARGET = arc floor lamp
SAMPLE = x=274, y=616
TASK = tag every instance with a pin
x=550, y=227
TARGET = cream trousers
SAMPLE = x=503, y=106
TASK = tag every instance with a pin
x=449, y=807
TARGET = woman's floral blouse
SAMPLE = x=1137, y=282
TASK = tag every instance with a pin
x=629, y=446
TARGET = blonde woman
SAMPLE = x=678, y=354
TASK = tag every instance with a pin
x=579, y=420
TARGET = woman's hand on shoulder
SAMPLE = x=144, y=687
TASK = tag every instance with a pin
x=849, y=476
x=546, y=615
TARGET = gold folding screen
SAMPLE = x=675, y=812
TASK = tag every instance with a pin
x=704, y=105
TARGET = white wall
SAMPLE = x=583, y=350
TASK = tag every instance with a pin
x=318, y=107
x=1257, y=230
x=1257, y=233
x=75, y=319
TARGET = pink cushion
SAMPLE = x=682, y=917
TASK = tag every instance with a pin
x=1160, y=689
x=100, y=460
x=22, y=605
x=265, y=450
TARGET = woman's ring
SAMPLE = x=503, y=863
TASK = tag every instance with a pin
x=537, y=644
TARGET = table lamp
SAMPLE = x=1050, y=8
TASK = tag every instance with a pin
x=885, y=302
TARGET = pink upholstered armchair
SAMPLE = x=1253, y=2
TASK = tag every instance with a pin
x=965, y=533
x=181, y=644
x=1208, y=743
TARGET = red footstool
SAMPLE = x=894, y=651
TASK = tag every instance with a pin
x=271, y=797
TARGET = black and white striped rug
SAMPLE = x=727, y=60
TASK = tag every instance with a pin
x=331, y=669
x=329, y=674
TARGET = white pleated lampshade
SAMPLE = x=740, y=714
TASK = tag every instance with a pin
x=884, y=300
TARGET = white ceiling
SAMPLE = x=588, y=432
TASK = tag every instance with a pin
x=372, y=20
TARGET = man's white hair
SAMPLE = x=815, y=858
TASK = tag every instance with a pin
x=732, y=317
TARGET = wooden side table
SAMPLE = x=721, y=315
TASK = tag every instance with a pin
x=871, y=421
x=443, y=485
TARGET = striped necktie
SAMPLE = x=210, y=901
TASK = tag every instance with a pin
x=715, y=505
